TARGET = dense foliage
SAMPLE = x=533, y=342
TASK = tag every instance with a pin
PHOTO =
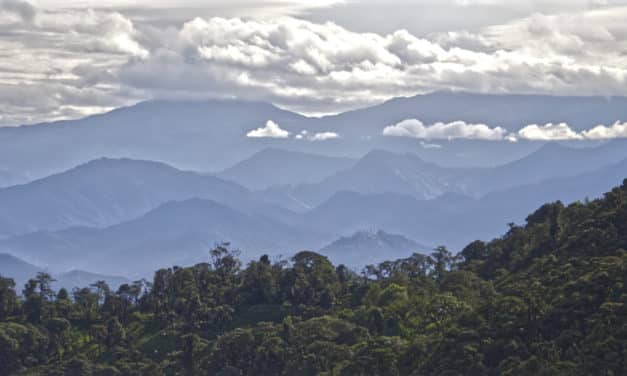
x=547, y=298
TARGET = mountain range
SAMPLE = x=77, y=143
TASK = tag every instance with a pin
x=382, y=171
x=211, y=135
x=180, y=232
x=175, y=233
x=160, y=183
x=274, y=167
x=21, y=271
x=104, y=192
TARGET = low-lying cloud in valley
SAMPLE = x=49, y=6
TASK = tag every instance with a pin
x=271, y=130
x=562, y=131
x=548, y=132
x=414, y=128
x=444, y=131
x=320, y=136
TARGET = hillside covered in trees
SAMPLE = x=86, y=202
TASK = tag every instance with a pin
x=547, y=298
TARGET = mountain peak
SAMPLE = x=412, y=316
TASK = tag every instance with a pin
x=370, y=246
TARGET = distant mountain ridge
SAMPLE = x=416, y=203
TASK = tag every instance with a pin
x=381, y=171
x=211, y=135
x=278, y=167
x=284, y=194
x=21, y=271
x=146, y=213
x=104, y=192
x=175, y=233
x=370, y=247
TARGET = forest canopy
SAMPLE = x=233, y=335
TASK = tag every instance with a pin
x=547, y=298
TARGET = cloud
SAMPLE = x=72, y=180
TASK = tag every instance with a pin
x=601, y=132
x=548, y=132
x=562, y=131
x=533, y=132
x=23, y=9
x=323, y=67
x=88, y=59
x=271, y=130
x=427, y=145
x=320, y=136
x=323, y=136
x=444, y=131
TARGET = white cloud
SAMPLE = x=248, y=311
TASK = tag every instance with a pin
x=548, y=132
x=533, y=132
x=430, y=145
x=444, y=131
x=323, y=136
x=601, y=132
x=320, y=136
x=271, y=130
x=562, y=131
x=63, y=57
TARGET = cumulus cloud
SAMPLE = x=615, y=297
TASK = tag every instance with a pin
x=601, y=132
x=313, y=67
x=83, y=60
x=320, y=136
x=445, y=131
x=548, y=132
x=533, y=132
x=562, y=132
x=271, y=130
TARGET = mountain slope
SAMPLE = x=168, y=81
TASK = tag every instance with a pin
x=370, y=247
x=79, y=278
x=276, y=167
x=21, y=271
x=211, y=135
x=203, y=136
x=549, y=162
x=452, y=219
x=378, y=172
x=106, y=191
x=406, y=174
x=506, y=110
x=176, y=233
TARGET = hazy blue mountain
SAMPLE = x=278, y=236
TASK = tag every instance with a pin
x=509, y=111
x=451, y=219
x=79, y=278
x=107, y=191
x=176, y=233
x=277, y=167
x=21, y=271
x=426, y=221
x=361, y=129
x=377, y=172
x=370, y=247
x=182, y=232
x=208, y=135
x=406, y=174
x=211, y=135
x=552, y=160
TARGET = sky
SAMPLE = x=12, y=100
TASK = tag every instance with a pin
x=68, y=59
